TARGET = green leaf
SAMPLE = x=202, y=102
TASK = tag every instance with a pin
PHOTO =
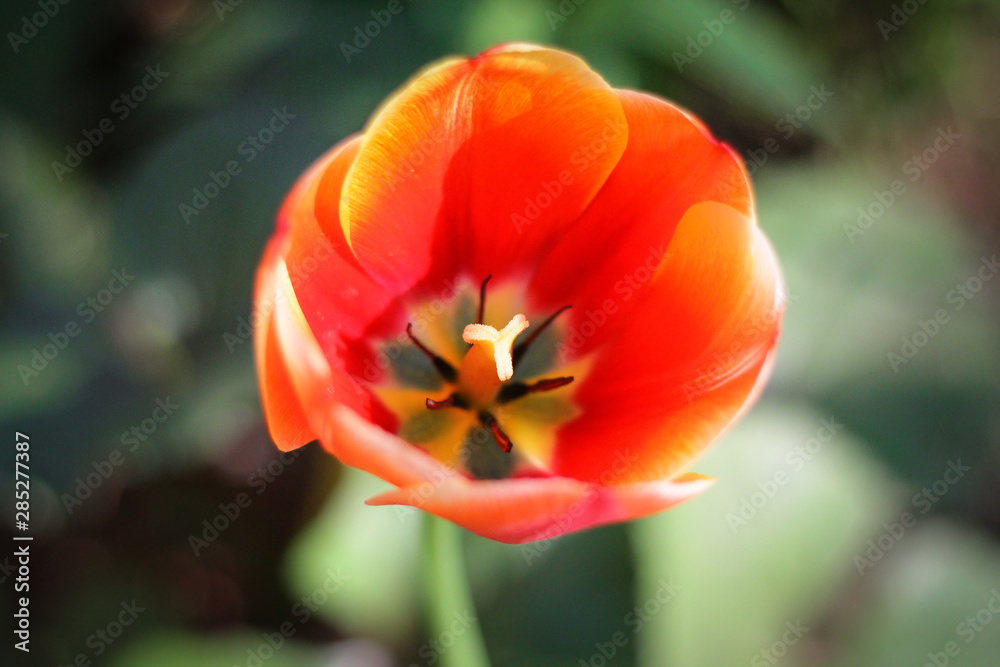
x=772, y=540
x=936, y=591
x=375, y=550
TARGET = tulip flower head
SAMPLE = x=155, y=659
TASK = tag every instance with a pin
x=524, y=299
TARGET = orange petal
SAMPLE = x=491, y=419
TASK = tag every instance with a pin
x=608, y=257
x=536, y=508
x=460, y=171
x=340, y=301
x=283, y=411
x=303, y=264
x=361, y=444
x=511, y=511
x=319, y=385
x=680, y=369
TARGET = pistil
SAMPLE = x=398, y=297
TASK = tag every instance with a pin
x=488, y=363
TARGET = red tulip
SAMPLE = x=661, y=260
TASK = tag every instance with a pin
x=525, y=299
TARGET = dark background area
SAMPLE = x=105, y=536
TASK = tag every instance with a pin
x=873, y=134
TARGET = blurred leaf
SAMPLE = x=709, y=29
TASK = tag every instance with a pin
x=857, y=291
x=940, y=585
x=756, y=60
x=375, y=549
x=174, y=649
x=767, y=545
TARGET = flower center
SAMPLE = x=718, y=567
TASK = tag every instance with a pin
x=486, y=405
x=489, y=361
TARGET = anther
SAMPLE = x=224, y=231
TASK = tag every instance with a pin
x=444, y=369
x=522, y=348
x=439, y=405
x=453, y=401
x=490, y=422
x=514, y=391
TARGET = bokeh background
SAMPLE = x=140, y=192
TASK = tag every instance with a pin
x=857, y=516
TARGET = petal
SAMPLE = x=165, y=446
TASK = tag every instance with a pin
x=608, y=257
x=361, y=444
x=303, y=264
x=467, y=150
x=286, y=420
x=511, y=511
x=340, y=301
x=685, y=363
x=317, y=383
x=521, y=510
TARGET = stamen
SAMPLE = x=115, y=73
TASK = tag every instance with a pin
x=503, y=440
x=482, y=299
x=446, y=370
x=511, y=392
x=439, y=405
x=453, y=401
x=522, y=348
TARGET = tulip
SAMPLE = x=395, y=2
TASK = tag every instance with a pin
x=525, y=299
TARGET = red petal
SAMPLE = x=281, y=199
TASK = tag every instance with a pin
x=305, y=265
x=447, y=165
x=283, y=411
x=670, y=164
x=513, y=510
x=528, y=509
x=361, y=444
x=684, y=364
x=340, y=301
x=320, y=386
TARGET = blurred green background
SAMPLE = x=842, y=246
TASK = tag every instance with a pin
x=857, y=514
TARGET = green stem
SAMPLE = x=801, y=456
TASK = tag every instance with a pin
x=449, y=599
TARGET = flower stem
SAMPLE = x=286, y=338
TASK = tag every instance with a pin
x=450, y=607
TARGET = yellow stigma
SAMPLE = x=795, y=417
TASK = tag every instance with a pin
x=489, y=361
